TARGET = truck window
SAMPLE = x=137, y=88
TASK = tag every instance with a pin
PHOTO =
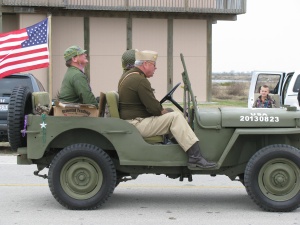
x=297, y=84
x=272, y=80
x=8, y=84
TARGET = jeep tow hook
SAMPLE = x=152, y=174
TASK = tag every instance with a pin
x=36, y=173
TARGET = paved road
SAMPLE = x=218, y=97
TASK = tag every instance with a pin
x=150, y=199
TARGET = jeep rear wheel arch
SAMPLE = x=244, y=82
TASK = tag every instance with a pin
x=81, y=176
x=272, y=178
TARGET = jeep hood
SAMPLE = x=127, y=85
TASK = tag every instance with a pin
x=245, y=117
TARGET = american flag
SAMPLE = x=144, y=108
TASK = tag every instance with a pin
x=25, y=49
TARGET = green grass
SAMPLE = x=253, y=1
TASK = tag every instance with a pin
x=225, y=103
x=216, y=103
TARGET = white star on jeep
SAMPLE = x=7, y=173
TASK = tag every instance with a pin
x=43, y=125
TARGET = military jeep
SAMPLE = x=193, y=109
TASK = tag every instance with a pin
x=88, y=157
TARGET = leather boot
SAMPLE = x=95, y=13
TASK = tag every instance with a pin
x=196, y=159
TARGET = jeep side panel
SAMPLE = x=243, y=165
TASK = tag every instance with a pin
x=109, y=134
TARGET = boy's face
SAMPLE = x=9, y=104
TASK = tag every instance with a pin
x=264, y=91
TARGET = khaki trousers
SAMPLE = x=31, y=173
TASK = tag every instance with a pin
x=172, y=122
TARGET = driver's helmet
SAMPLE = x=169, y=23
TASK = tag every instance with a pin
x=128, y=59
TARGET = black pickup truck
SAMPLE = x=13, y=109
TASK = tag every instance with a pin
x=7, y=84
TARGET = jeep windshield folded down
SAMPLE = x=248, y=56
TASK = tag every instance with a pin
x=88, y=156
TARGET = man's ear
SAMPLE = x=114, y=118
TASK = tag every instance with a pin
x=74, y=59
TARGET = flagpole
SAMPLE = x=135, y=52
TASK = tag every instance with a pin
x=50, y=80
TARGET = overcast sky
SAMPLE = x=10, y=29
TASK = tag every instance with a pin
x=266, y=37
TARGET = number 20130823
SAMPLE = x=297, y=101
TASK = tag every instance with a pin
x=271, y=119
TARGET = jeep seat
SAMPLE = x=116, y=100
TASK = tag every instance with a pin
x=41, y=102
x=112, y=99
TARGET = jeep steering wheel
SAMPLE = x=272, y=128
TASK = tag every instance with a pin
x=169, y=97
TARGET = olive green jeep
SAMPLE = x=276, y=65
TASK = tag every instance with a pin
x=88, y=157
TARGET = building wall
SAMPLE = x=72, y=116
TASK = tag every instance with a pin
x=108, y=40
x=190, y=40
x=107, y=44
x=66, y=31
x=10, y=22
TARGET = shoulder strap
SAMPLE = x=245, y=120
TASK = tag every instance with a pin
x=126, y=77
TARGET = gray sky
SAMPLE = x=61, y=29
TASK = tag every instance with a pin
x=267, y=37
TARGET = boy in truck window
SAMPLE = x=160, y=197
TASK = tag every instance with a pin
x=264, y=100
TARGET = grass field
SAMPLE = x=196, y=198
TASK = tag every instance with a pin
x=233, y=94
x=230, y=94
x=216, y=103
x=225, y=103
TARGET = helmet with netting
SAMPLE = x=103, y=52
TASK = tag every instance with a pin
x=128, y=59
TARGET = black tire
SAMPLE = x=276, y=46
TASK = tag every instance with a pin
x=20, y=104
x=272, y=178
x=82, y=176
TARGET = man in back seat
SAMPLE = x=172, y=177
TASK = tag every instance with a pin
x=139, y=107
x=128, y=60
x=75, y=87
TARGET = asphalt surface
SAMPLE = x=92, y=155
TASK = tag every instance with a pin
x=150, y=199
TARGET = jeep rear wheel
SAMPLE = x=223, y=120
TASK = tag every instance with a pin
x=82, y=176
x=20, y=104
x=272, y=178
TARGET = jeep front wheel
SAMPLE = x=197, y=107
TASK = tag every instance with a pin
x=82, y=176
x=272, y=178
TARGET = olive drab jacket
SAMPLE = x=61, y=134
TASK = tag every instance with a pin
x=75, y=88
x=136, y=97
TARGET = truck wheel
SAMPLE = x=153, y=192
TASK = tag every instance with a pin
x=272, y=178
x=82, y=176
x=20, y=104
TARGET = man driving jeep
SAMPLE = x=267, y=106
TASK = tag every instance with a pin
x=139, y=107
